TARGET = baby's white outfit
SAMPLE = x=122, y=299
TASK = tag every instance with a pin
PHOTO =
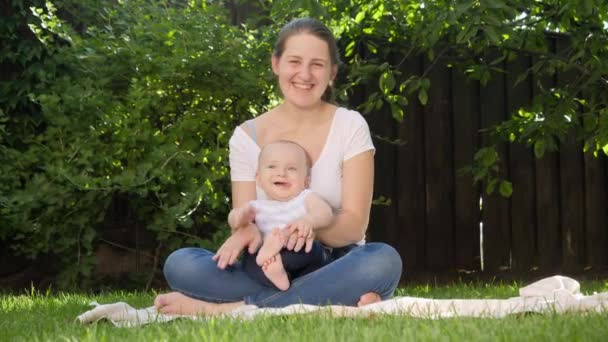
x=270, y=214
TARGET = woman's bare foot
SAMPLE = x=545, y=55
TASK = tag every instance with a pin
x=369, y=298
x=275, y=272
x=176, y=303
x=273, y=243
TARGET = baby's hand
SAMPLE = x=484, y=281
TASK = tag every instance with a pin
x=241, y=217
x=301, y=234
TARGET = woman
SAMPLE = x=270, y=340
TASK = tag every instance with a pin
x=338, y=141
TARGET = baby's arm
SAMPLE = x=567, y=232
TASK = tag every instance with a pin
x=240, y=217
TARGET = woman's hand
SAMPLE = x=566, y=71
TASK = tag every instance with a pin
x=248, y=236
x=299, y=234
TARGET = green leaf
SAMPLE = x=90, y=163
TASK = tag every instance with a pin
x=539, y=148
x=423, y=96
x=360, y=17
x=491, y=186
x=350, y=49
x=379, y=104
x=402, y=100
x=371, y=47
x=489, y=157
x=425, y=83
x=368, y=106
x=505, y=188
x=397, y=112
x=386, y=82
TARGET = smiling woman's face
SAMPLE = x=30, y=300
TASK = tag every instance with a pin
x=304, y=70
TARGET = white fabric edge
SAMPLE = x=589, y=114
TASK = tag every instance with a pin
x=557, y=294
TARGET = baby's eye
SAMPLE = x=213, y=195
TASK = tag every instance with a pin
x=271, y=166
x=292, y=168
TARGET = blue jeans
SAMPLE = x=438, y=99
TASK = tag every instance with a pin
x=296, y=264
x=354, y=270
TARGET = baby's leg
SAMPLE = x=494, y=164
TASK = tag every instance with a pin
x=275, y=272
x=273, y=243
x=300, y=263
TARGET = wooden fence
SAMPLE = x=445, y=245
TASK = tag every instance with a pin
x=556, y=219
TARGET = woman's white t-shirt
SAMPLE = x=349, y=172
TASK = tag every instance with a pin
x=348, y=136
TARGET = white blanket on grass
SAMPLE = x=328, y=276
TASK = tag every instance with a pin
x=555, y=294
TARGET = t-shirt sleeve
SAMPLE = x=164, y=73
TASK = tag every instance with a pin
x=358, y=138
x=241, y=158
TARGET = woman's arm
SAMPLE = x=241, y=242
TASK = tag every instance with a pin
x=242, y=193
x=318, y=211
x=350, y=224
x=248, y=236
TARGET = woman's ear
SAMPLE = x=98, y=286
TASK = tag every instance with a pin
x=274, y=62
x=334, y=73
x=307, y=182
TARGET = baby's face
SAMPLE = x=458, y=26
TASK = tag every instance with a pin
x=282, y=171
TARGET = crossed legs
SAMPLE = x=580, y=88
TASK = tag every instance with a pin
x=364, y=275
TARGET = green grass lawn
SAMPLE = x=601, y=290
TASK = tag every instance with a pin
x=37, y=316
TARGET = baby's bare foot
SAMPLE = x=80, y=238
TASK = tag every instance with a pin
x=369, y=298
x=275, y=272
x=273, y=243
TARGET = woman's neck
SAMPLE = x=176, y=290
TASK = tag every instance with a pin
x=305, y=116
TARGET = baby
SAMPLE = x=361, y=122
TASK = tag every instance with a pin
x=284, y=175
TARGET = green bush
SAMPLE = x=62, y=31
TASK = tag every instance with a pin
x=140, y=102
